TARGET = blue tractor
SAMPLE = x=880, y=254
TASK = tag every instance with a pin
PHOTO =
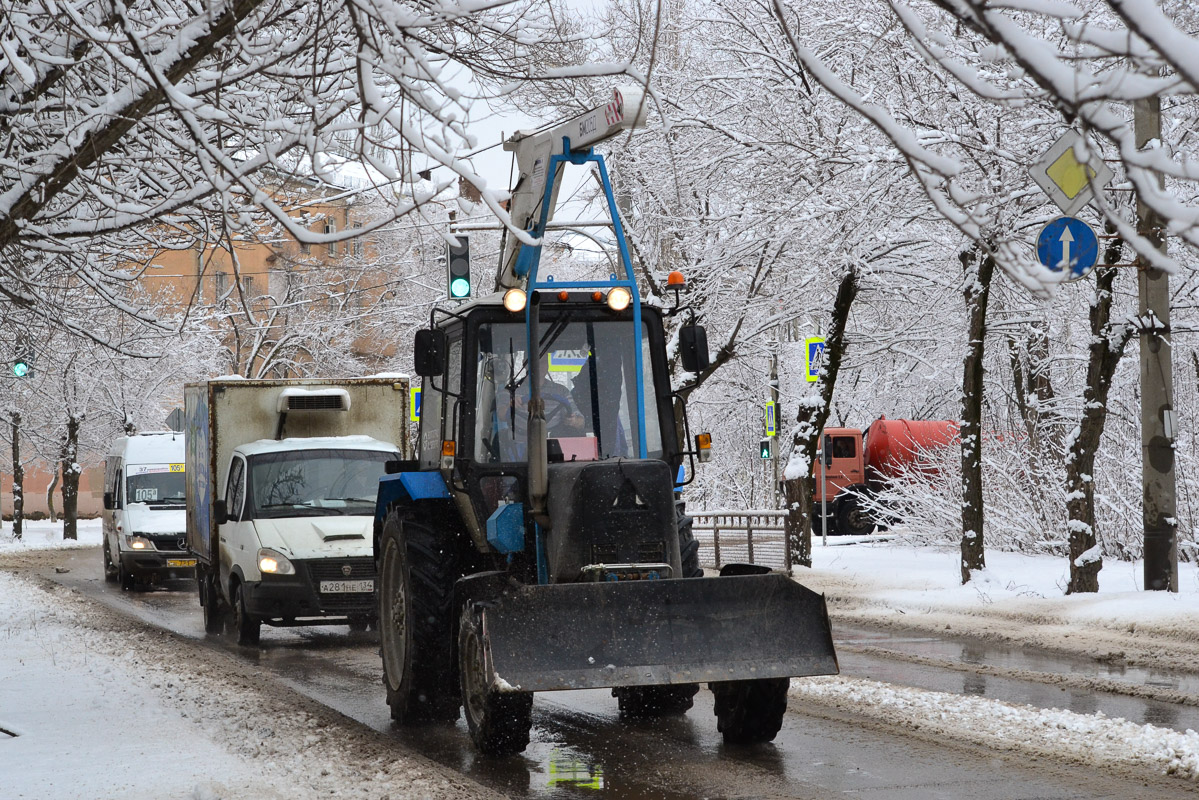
x=537, y=543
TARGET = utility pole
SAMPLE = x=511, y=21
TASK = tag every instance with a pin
x=1157, y=382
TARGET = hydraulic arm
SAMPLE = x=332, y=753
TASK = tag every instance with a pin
x=536, y=191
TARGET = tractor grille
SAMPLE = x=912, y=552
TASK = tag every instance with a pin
x=604, y=554
x=651, y=552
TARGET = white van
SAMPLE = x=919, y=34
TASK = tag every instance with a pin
x=145, y=511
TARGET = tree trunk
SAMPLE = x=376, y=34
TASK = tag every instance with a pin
x=1035, y=397
x=18, y=478
x=50, y=496
x=798, y=489
x=70, y=478
x=1106, y=349
x=980, y=267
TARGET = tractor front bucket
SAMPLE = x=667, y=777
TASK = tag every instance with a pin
x=653, y=632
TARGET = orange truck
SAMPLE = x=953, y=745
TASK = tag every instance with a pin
x=857, y=464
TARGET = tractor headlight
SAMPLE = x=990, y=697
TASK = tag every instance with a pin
x=619, y=298
x=272, y=562
x=136, y=542
x=514, y=300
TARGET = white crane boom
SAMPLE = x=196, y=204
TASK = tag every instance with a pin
x=626, y=110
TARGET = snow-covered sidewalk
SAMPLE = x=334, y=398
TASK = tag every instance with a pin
x=96, y=706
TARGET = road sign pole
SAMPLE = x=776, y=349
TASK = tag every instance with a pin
x=1157, y=383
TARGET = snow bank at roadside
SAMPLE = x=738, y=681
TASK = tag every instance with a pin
x=42, y=534
x=893, y=583
x=1092, y=739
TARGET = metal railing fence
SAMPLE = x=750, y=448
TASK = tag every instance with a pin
x=752, y=537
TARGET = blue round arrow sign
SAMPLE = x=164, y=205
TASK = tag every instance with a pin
x=1069, y=244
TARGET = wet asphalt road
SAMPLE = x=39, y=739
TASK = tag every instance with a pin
x=580, y=747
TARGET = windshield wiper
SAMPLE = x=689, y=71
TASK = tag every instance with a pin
x=313, y=510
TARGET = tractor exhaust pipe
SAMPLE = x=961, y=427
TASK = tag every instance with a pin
x=538, y=457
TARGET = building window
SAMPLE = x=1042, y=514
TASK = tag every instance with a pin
x=358, y=241
x=222, y=284
x=331, y=227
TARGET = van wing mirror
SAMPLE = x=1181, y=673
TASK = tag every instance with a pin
x=220, y=512
x=107, y=501
x=693, y=348
x=429, y=352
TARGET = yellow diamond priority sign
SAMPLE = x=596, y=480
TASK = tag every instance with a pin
x=1069, y=182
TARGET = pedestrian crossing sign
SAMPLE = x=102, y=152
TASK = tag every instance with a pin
x=815, y=351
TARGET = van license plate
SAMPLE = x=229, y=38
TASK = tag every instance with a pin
x=340, y=587
x=181, y=562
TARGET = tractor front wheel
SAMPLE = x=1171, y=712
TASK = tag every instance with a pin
x=499, y=721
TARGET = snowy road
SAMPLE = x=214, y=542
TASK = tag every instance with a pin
x=826, y=748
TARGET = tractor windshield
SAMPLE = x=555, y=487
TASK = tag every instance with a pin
x=590, y=390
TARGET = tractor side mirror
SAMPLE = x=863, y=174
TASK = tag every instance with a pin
x=107, y=501
x=693, y=348
x=220, y=512
x=429, y=352
x=826, y=451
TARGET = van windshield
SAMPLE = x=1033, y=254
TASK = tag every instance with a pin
x=301, y=483
x=155, y=484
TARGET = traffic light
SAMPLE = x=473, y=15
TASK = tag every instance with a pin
x=766, y=448
x=22, y=365
x=457, y=265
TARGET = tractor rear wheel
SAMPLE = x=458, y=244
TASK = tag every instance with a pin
x=499, y=721
x=750, y=712
x=688, y=546
x=416, y=591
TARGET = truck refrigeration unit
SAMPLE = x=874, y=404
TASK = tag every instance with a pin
x=535, y=543
x=281, y=484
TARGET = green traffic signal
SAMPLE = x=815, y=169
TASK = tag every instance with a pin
x=766, y=448
x=21, y=368
x=457, y=264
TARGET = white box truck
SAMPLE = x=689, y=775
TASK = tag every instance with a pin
x=282, y=477
x=144, y=519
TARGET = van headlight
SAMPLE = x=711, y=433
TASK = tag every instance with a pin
x=136, y=542
x=272, y=562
